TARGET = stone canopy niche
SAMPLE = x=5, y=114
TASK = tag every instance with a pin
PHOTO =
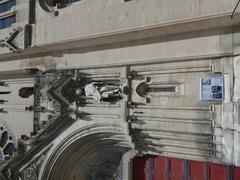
x=50, y=5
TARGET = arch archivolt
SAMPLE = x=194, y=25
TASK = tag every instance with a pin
x=83, y=149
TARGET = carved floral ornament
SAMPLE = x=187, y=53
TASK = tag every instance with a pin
x=31, y=170
x=30, y=174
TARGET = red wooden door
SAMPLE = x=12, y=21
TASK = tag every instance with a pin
x=176, y=169
x=160, y=168
x=197, y=170
x=217, y=172
x=139, y=168
x=164, y=168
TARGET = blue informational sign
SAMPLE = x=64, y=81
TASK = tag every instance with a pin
x=212, y=88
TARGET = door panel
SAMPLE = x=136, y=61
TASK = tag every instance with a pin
x=139, y=168
x=236, y=173
x=217, y=172
x=197, y=170
x=176, y=169
x=160, y=167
